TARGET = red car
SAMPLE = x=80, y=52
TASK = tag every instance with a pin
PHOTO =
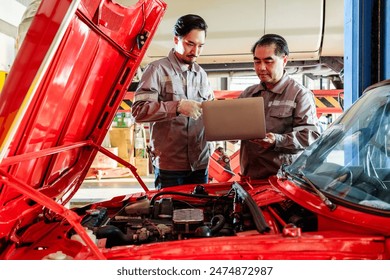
x=59, y=100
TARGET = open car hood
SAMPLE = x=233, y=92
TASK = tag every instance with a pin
x=59, y=99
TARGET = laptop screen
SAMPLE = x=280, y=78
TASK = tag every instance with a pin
x=234, y=119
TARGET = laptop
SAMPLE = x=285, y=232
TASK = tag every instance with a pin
x=234, y=119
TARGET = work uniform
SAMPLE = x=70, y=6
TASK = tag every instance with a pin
x=290, y=113
x=177, y=142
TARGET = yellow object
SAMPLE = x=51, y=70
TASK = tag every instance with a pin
x=3, y=75
x=122, y=138
x=142, y=165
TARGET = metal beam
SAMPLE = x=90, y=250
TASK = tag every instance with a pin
x=24, y=2
x=11, y=12
x=385, y=40
x=357, y=48
x=8, y=29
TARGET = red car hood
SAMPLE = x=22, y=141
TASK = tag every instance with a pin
x=60, y=97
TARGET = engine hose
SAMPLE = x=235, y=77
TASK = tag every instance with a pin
x=219, y=221
x=115, y=237
x=201, y=196
x=258, y=217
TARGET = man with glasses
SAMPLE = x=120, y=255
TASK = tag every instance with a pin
x=169, y=96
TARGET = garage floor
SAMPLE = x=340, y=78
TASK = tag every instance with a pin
x=93, y=190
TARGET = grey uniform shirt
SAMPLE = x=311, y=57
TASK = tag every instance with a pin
x=290, y=114
x=177, y=142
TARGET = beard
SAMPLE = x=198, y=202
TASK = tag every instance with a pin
x=187, y=59
x=190, y=59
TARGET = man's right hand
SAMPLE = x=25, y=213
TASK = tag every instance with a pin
x=190, y=108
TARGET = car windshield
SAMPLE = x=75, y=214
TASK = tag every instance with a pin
x=351, y=159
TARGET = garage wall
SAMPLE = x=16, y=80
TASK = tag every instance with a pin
x=7, y=52
x=11, y=12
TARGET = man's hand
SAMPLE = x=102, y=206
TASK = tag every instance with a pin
x=267, y=142
x=190, y=108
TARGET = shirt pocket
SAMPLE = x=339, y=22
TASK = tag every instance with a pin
x=281, y=119
x=203, y=92
x=172, y=92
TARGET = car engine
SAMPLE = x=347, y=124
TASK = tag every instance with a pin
x=171, y=215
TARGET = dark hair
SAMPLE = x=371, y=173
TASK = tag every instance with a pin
x=186, y=23
x=269, y=39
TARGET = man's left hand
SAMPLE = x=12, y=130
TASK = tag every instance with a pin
x=267, y=142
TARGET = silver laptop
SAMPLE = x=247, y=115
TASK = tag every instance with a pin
x=234, y=119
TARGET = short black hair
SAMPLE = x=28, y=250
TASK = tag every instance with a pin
x=269, y=39
x=186, y=23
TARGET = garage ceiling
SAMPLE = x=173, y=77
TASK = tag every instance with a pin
x=11, y=12
x=313, y=28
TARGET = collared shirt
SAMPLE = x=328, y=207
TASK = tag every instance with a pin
x=290, y=114
x=177, y=142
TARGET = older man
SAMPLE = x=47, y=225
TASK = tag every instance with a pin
x=290, y=112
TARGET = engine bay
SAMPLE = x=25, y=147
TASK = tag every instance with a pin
x=172, y=215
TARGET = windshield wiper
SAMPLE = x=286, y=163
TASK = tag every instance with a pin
x=324, y=199
x=301, y=177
